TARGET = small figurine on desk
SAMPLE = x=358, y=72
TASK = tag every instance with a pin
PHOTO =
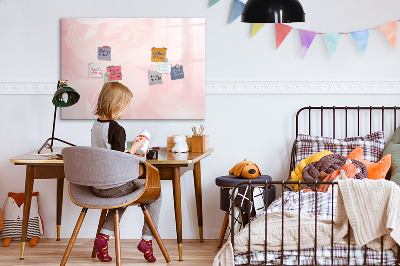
x=180, y=144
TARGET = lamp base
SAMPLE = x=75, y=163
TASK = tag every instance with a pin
x=50, y=146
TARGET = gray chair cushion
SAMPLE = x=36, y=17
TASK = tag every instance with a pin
x=84, y=196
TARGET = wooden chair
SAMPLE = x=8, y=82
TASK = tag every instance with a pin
x=85, y=167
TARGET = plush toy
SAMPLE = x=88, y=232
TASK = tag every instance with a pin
x=375, y=170
x=245, y=169
x=13, y=215
x=1, y=220
x=348, y=170
x=180, y=144
x=296, y=174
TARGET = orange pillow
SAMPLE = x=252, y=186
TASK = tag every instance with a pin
x=375, y=170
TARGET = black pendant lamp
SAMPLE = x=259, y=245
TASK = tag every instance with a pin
x=273, y=11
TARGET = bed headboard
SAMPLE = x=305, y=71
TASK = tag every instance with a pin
x=344, y=121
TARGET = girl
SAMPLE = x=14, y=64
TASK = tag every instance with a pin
x=106, y=133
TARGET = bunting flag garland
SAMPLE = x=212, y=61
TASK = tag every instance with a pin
x=306, y=39
x=237, y=9
x=332, y=41
x=361, y=37
x=213, y=2
x=281, y=31
x=389, y=30
x=256, y=27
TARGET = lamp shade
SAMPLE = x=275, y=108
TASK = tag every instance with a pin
x=62, y=101
x=273, y=11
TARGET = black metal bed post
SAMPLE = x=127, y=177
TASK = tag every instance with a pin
x=315, y=222
x=249, y=220
x=298, y=238
x=333, y=192
x=283, y=211
x=266, y=221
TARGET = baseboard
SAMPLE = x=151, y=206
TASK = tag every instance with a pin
x=136, y=233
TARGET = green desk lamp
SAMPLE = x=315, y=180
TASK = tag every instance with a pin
x=64, y=96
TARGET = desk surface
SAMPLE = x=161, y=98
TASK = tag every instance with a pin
x=164, y=157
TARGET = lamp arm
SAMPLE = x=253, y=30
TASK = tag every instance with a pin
x=54, y=126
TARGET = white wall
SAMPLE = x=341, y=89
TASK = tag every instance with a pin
x=259, y=127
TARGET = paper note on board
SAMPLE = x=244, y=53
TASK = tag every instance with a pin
x=115, y=73
x=177, y=72
x=104, y=53
x=95, y=70
x=158, y=54
x=164, y=67
x=155, y=78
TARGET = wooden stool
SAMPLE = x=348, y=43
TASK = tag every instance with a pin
x=226, y=183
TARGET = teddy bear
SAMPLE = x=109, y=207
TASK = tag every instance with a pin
x=13, y=215
x=245, y=169
x=180, y=144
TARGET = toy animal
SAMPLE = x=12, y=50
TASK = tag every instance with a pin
x=13, y=215
x=180, y=144
x=245, y=169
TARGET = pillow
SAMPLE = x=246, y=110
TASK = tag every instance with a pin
x=375, y=170
x=372, y=144
x=393, y=148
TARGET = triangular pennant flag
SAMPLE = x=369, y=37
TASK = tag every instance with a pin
x=255, y=28
x=361, y=37
x=281, y=31
x=390, y=32
x=306, y=39
x=213, y=2
x=237, y=9
x=332, y=41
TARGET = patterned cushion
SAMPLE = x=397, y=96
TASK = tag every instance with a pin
x=372, y=144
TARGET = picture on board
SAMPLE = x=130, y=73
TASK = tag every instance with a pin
x=161, y=60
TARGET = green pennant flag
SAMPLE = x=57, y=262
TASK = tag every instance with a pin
x=213, y=2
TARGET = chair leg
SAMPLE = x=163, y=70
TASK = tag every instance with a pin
x=117, y=239
x=154, y=230
x=223, y=229
x=101, y=222
x=73, y=237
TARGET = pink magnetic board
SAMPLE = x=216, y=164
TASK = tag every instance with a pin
x=131, y=41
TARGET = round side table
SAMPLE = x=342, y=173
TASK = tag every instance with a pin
x=226, y=183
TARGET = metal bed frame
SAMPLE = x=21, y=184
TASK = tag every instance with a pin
x=284, y=183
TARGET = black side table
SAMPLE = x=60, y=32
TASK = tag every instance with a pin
x=226, y=183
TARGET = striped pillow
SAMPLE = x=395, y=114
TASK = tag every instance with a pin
x=372, y=145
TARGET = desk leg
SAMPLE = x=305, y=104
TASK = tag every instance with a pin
x=60, y=190
x=176, y=182
x=27, y=206
x=199, y=204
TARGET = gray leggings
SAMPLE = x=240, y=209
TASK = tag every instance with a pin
x=154, y=208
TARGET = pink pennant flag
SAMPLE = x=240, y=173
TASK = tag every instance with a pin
x=389, y=30
x=281, y=31
x=306, y=39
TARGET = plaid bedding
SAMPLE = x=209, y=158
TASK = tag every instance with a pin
x=372, y=145
x=323, y=207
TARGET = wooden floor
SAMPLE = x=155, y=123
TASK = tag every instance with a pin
x=50, y=252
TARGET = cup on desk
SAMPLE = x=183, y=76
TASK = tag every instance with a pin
x=152, y=155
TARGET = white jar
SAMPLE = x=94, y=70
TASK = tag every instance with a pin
x=144, y=134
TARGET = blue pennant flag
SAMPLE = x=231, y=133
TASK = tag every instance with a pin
x=237, y=9
x=332, y=41
x=213, y=2
x=361, y=37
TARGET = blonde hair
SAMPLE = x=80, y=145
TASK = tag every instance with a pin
x=114, y=97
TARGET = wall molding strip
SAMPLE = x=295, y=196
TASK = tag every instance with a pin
x=250, y=87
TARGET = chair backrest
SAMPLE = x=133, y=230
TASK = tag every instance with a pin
x=92, y=166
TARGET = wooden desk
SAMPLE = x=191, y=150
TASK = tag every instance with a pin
x=171, y=167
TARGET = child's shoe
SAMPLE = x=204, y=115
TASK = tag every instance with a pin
x=101, y=245
x=146, y=247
